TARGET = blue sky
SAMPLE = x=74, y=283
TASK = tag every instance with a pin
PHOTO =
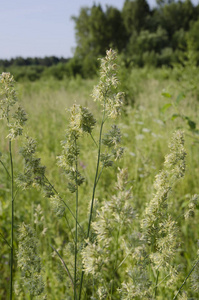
x=41, y=28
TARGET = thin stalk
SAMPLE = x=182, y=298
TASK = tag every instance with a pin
x=96, y=175
x=76, y=229
x=5, y=168
x=94, y=188
x=16, y=192
x=93, y=139
x=100, y=174
x=93, y=290
x=56, y=192
x=159, y=283
x=111, y=289
x=65, y=266
x=186, y=279
x=117, y=243
x=69, y=228
x=124, y=259
x=116, y=259
x=5, y=239
x=156, y=284
x=12, y=220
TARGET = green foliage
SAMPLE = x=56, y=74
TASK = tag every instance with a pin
x=192, y=41
x=29, y=262
x=135, y=15
x=147, y=37
x=142, y=240
x=175, y=104
x=96, y=30
x=152, y=37
x=176, y=16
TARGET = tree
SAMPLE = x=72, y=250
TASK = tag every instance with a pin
x=177, y=15
x=193, y=41
x=135, y=15
x=96, y=31
x=116, y=31
x=90, y=31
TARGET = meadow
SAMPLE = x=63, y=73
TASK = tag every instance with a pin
x=142, y=242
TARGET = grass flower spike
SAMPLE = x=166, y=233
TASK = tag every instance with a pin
x=29, y=261
x=106, y=91
x=16, y=117
x=7, y=93
x=81, y=121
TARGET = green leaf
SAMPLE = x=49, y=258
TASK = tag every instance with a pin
x=174, y=116
x=165, y=107
x=166, y=95
x=180, y=97
x=191, y=124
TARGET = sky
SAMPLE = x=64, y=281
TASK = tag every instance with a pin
x=38, y=28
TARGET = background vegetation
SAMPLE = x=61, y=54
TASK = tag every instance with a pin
x=158, y=71
x=143, y=36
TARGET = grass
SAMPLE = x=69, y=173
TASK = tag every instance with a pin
x=146, y=131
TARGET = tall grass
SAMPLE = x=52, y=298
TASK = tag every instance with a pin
x=89, y=237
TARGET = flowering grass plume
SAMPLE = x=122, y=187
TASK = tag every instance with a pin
x=29, y=262
x=193, y=204
x=15, y=117
x=108, y=144
x=81, y=121
x=103, y=254
x=106, y=91
x=8, y=94
x=159, y=228
x=156, y=211
x=152, y=260
x=34, y=172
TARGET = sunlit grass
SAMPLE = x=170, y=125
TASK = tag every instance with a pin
x=146, y=130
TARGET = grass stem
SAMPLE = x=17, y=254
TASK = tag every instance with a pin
x=64, y=264
x=94, y=187
x=5, y=239
x=5, y=168
x=186, y=279
x=12, y=220
x=76, y=227
x=56, y=192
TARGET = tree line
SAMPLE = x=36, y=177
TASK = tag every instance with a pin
x=47, y=61
x=143, y=36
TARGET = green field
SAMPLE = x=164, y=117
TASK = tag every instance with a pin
x=122, y=258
